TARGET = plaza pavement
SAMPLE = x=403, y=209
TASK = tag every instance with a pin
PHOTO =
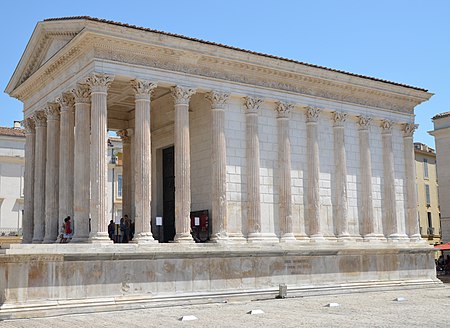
x=423, y=307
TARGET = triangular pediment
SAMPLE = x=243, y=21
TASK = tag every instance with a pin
x=43, y=45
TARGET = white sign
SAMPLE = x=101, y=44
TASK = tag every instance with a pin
x=197, y=221
x=159, y=221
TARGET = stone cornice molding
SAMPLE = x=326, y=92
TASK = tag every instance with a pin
x=364, y=122
x=386, y=126
x=339, y=118
x=283, y=109
x=409, y=129
x=182, y=95
x=312, y=114
x=52, y=111
x=218, y=100
x=99, y=82
x=143, y=89
x=40, y=119
x=123, y=134
x=66, y=101
x=29, y=125
x=252, y=104
x=82, y=93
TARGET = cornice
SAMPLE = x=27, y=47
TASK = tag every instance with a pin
x=304, y=81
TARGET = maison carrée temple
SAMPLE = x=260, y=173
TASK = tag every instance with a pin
x=304, y=175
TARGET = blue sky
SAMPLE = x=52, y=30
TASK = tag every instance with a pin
x=406, y=41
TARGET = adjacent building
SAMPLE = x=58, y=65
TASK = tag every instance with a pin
x=441, y=135
x=427, y=193
x=12, y=164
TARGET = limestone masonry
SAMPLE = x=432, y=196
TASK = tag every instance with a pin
x=307, y=173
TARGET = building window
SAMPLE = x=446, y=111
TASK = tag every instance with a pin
x=427, y=194
x=430, y=224
x=119, y=186
x=425, y=168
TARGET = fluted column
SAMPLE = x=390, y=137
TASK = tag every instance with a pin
x=312, y=153
x=132, y=173
x=340, y=164
x=284, y=158
x=251, y=105
x=39, y=176
x=52, y=174
x=28, y=213
x=66, y=156
x=219, y=167
x=81, y=187
x=99, y=84
x=370, y=229
x=389, y=201
x=143, y=190
x=126, y=172
x=412, y=222
x=181, y=97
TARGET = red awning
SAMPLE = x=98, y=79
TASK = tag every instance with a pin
x=443, y=247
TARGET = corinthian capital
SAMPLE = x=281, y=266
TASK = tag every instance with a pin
x=364, y=122
x=182, y=95
x=52, y=111
x=81, y=93
x=312, y=114
x=339, y=118
x=99, y=82
x=217, y=99
x=409, y=128
x=283, y=109
x=143, y=89
x=252, y=104
x=40, y=119
x=386, y=126
x=28, y=124
x=66, y=101
x=123, y=134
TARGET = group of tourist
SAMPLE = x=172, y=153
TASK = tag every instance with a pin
x=123, y=232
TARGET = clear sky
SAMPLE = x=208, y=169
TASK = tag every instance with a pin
x=405, y=41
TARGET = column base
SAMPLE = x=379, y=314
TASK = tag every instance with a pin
x=259, y=237
x=288, y=238
x=184, y=238
x=236, y=238
x=374, y=237
x=50, y=241
x=220, y=237
x=36, y=241
x=344, y=238
x=79, y=240
x=143, y=238
x=317, y=238
x=417, y=238
x=99, y=238
x=303, y=238
x=398, y=237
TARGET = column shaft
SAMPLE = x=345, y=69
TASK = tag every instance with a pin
x=66, y=157
x=182, y=165
x=39, y=177
x=52, y=174
x=28, y=215
x=219, y=167
x=312, y=153
x=81, y=187
x=143, y=189
x=99, y=84
x=126, y=172
x=340, y=175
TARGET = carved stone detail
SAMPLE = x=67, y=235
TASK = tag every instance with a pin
x=409, y=129
x=82, y=93
x=217, y=99
x=283, y=109
x=252, y=104
x=312, y=114
x=182, y=95
x=339, y=118
x=143, y=89
x=40, y=118
x=29, y=125
x=99, y=82
x=123, y=134
x=364, y=122
x=387, y=125
x=66, y=101
x=52, y=111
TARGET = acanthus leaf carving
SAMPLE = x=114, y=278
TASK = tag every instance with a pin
x=40, y=119
x=283, y=109
x=409, y=129
x=52, y=111
x=99, y=82
x=81, y=93
x=312, y=114
x=339, y=118
x=252, y=104
x=66, y=101
x=29, y=125
x=217, y=99
x=364, y=122
x=386, y=126
x=143, y=89
x=182, y=95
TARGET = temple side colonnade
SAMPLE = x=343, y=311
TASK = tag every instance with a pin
x=67, y=163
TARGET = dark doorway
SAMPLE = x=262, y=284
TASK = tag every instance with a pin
x=168, y=195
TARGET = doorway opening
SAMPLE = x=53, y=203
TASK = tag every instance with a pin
x=168, y=172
